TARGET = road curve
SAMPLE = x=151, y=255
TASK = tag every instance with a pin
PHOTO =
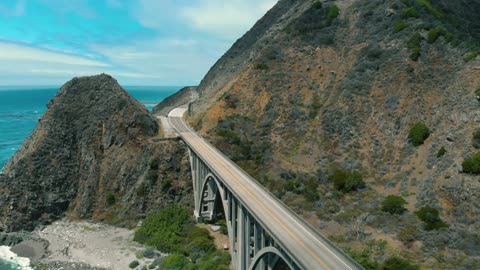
x=309, y=249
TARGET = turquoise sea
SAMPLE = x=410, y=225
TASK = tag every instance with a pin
x=22, y=106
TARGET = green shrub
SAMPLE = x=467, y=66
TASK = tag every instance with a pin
x=333, y=12
x=395, y=263
x=165, y=230
x=434, y=34
x=175, y=262
x=430, y=216
x=110, y=199
x=153, y=163
x=394, y=204
x=410, y=12
x=149, y=253
x=261, y=66
x=414, y=45
x=418, y=134
x=399, y=26
x=471, y=56
x=477, y=92
x=317, y=5
x=134, y=264
x=472, y=165
x=346, y=181
x=441, y=152
x=364, y=259
x=476, y=139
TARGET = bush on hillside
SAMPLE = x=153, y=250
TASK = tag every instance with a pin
x=441, y=152
x=347, y=181
x=476, y=139
x=434, y=34
x=472, y=165
x=418, y=134
x=410, y=12
x=394, y=204
x=110, y=199
x=414, y=45
x=399, y=26
x=333, y=12
x=431, y=217
x=317, y=5
x=165, y=230
x=396, y=263
x=134, y=264
x=175, y=262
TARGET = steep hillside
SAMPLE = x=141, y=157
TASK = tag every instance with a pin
x=318, y=87
x=92, y=156
x=182, y=97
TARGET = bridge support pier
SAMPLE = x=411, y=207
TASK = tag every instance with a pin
x=251, y=247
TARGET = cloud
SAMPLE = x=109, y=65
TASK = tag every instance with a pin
x=15, y=52
x=230, y=19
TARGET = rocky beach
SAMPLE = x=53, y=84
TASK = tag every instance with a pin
x=85, y=245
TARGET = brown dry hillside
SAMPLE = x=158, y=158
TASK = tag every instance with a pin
x=319, y=86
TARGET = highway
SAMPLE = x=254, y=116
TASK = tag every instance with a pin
x=309, y=249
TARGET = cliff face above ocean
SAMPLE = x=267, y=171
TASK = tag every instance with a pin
x=91, y=155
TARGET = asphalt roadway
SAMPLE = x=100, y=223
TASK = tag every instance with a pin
x=310, y=250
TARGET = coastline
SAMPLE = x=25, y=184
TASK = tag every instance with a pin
x=82, y=245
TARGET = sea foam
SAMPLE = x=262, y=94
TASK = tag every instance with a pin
x=7, y=255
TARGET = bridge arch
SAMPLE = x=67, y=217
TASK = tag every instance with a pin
x=260, y=257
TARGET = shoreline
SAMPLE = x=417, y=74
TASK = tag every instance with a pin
x=83, y=245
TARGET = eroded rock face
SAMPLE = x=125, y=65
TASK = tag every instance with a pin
x=92, y=140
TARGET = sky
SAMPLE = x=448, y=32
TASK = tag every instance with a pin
x=139, y=42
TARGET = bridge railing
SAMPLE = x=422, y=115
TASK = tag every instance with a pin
x=338, y=252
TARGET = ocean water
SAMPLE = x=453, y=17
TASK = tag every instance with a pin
x=22, y=106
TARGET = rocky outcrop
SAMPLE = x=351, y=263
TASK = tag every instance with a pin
x=182, y=97
x=87, y=156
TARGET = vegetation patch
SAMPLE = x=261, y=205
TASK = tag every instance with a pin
x=472, y=165
x=396, y=263
x=431, y=217
x=110, y=199
x=399, y=26
x=172, y=230
x=472, y=56
x=476, y=139
x=441, y=152
x=414, y=45
x=347, y=181
x=394, y=205
x=317, y=5
x=333, y=12
x=410, y=12
x=434, y=34
x=419, y=133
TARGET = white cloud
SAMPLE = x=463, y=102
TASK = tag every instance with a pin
x=15, y=52
x=230, y=19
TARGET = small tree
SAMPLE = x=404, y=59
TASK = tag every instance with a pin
x=430, y=216
x=419, y=133
x=394, y=205
x=472, y=165
x=110, y=199
x=333, y=12
x=345, y=181
x=441, y=152
x=476, y=139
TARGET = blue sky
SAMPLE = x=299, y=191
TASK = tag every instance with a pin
x=139, y=42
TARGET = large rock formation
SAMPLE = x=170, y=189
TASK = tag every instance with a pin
x=320, y=85
x=88, y=155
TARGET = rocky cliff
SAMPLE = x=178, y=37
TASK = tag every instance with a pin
x=92, y=155
x=319, y=86
x=182, y=97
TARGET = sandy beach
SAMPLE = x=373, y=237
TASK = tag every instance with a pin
x=68, y=244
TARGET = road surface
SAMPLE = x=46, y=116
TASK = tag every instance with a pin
x=308, y=247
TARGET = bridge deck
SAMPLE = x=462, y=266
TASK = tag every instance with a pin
x=311, y=250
